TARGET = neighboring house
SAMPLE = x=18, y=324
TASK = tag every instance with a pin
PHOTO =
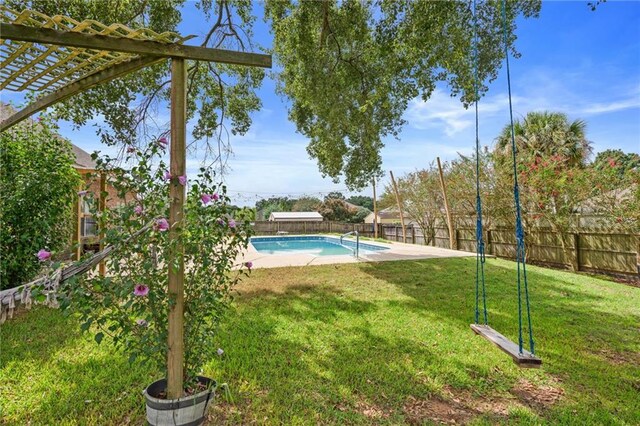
x=593, y=212
x=86, y=229
x=295, y=217
x=388, y=215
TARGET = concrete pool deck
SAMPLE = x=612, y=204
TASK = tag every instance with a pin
x=397, y=251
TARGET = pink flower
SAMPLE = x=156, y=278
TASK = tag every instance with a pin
x=131, y=149
x=43, y=255
x=163, y=142
x=612, y=162
x=167, y=175
x=220, y=222
x=206, y=198
x=232, y=223
x=182, y=179
x=215, y=196
x=138, y=209
x=162, y=225
x=82, y=193
x=142, y=322
x=249, y=265
x=141, y=290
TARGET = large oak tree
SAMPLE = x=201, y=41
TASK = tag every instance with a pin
x=348, y=68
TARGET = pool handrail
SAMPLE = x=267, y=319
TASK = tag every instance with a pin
x=357, y=252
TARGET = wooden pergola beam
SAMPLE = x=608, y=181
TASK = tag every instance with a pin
x=139, y=47
x=77, y=87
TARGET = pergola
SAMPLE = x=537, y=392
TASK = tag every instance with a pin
x=59, y=57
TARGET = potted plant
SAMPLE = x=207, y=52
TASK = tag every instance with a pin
x=131, y=303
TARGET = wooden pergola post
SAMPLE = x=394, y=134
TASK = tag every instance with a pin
x=102, y=205
x=77, y=231
x=177, y=167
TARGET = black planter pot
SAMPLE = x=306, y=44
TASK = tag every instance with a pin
x=186, y=411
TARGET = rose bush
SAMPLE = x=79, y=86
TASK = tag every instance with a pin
x=131, y=303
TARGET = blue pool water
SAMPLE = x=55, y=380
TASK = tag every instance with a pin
x=317, y=246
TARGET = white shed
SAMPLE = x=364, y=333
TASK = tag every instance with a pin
x=295, y=217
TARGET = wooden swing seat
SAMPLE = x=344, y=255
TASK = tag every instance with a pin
x=525, y=359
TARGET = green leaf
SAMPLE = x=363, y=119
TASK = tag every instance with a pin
x=86, y=325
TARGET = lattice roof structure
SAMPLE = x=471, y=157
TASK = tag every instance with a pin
x=40, y=67
x=58, y=56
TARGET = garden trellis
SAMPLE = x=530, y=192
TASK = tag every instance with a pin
x=59, y=57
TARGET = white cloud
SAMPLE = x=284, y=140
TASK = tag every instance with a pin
x=612, y=106
x=444, y=112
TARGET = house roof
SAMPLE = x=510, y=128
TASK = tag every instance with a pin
x=296, y=215
x=620, y=195
x=83, y=159
x=389, y=213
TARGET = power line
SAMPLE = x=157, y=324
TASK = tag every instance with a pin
x=288, y=193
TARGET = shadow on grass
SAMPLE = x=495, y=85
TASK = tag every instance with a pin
x=104, y=389
x=35, y=335
x=331, y=345
x=574, y=320
x=320, y=357
x=53, y=374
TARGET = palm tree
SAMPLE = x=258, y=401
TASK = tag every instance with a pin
x=546, y=133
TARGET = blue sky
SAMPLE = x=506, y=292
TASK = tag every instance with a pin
x=583, y=63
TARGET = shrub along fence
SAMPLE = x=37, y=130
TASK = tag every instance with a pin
x=591, y=250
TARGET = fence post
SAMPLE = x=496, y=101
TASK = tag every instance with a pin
x=489, y=242
x=457, y=232
x=576, y=251
x=413, y=234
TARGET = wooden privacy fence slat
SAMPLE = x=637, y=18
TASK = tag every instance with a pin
x=49, y=283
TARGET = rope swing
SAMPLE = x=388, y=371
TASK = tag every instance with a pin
x=522, y=357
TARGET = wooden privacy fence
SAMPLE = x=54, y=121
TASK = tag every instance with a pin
x=589, y=250
x=300, y=227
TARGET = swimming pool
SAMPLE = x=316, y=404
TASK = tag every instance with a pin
x=314, y=245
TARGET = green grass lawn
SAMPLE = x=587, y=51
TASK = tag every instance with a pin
x=369, y=343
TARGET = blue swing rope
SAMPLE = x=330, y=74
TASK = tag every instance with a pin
x=520, y=249
x=480, y=254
